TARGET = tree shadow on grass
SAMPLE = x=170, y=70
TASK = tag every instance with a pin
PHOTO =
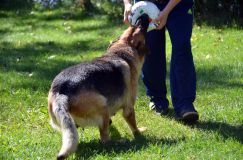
x=86, y=150
x=208, y=78
x=4, y=31
x=32, y=22
x=61, y=14
x=218, y=76
x=39, y=59
x=65, y=15
x=26, y=58
x=3, y=15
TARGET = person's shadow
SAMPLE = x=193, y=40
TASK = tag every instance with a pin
x=86, y=150
x=224, y=129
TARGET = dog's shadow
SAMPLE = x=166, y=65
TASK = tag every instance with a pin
x=86, y=150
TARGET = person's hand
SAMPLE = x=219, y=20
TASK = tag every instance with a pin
x=162, y=19
x=127, y=11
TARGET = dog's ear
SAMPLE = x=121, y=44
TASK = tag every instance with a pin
x=138, y=41
x=113, y=42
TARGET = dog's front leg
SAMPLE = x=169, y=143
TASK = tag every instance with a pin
x=104, y=126
x=129, y=116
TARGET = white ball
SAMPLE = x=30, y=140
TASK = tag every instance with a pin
x=142, y=7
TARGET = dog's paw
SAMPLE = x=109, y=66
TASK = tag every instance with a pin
x=139, y=131
x=122, y=141
x=142, y=129
x=105, y=140
x=60, y=157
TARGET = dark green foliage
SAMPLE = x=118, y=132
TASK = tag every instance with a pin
x=114, y=8
x=15, y=4
x=219, y=12
x=230, y=9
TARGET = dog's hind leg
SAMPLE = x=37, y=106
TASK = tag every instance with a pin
x=104, y=126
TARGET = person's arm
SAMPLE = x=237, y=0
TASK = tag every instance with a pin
x=163, y=15
x=127, y=10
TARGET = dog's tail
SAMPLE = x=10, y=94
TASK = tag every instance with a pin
x=60, y=118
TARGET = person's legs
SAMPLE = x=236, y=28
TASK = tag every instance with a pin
x=182, y=71
x=154, y=70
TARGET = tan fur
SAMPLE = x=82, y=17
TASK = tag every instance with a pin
x=89, y=108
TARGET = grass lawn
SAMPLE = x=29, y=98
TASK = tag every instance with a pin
x=36, y=46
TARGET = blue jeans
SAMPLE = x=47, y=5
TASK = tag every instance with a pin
x=182, y=70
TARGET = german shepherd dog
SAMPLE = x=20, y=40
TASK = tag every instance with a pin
x=88, y=94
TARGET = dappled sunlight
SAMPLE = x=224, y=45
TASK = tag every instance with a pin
x=35, y=46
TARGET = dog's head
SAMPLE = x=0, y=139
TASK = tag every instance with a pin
x=134, y=36
x=137, y=39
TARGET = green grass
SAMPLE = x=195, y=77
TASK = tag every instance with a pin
x=36, y=46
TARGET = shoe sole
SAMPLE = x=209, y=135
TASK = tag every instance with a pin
x=190, y=117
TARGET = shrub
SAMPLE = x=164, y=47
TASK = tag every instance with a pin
x=113, y=8
x=16, y=4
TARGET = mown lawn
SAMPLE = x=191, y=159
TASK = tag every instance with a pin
x=35, y=46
